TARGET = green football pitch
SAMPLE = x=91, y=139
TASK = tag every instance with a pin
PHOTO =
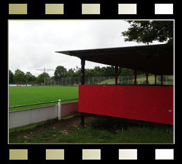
x=36, y=94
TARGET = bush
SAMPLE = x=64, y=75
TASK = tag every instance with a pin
x=110, y=125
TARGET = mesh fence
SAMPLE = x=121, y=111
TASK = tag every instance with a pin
x=123, y=80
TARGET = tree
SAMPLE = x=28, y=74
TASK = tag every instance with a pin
x=110, y=71
x=103, y=71
x=11, y=77
x=97, y=71
x=77, y=73
x=30, y=78
x=60, y=72
x=126, y=72
x=41, y=77
x=19, y=77
x=149, y=31
x=70, y=73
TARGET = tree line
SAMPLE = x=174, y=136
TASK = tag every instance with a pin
x=19, y=77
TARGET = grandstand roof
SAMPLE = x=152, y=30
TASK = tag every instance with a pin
x=156, y=59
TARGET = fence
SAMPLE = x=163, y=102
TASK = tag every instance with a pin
x=26, y=117
x=124, y=80
x=20, y=85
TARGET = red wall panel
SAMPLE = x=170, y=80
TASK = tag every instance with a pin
x=145, y=103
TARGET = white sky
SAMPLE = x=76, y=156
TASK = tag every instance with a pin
x=32, y=43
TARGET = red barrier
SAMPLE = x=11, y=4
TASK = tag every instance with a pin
x=145, y=103
x=69, y=109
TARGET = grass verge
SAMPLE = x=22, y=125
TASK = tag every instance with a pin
x=96, y=130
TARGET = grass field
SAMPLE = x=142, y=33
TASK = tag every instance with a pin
x=36, y=94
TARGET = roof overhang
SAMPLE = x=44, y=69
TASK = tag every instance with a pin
x=156, y=59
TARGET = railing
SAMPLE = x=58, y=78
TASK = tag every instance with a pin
x=18, y=106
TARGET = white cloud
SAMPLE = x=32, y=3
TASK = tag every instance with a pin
x=32, y=43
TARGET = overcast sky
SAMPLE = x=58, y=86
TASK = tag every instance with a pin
x=32, y=43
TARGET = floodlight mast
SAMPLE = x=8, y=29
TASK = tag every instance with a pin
x=45, y=70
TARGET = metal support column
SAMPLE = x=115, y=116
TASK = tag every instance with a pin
x=82, y=120
x=161, y=79
x=82, y=70
x=135, y=80
x=82, y=83
x=116, y=75
x=155, y=79
x=147, y=82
